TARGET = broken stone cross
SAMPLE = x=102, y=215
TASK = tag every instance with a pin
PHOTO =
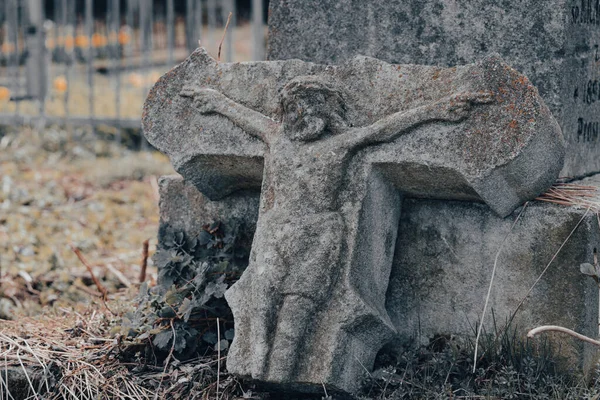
x=334, y=149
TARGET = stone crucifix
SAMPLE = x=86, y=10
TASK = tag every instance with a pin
x=334, y=150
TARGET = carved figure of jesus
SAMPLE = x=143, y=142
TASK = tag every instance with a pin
x=300, y=237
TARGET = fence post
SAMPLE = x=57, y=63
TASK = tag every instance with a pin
x=258, y=33
x=170, y=28
x=89, y=30
x=37, y=63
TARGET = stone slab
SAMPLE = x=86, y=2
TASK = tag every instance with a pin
x=341, y=147
x=182, y=208
x=553, y=42
x=443, y=258
x=443, y=265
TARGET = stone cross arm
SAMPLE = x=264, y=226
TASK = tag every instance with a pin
x=503, y=153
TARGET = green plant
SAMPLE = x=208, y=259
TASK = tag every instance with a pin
x=187, y=313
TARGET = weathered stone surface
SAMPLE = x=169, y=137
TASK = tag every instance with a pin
x=506, y=152
x=342, y=146
x=443, y=265
x=553, y=42
x=184, y=209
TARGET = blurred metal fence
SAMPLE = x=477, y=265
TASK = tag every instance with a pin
x=92, y=62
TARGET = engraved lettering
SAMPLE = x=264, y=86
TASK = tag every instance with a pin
x=587, y=131
x=587, y=12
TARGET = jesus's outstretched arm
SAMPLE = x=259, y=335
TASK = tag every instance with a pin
x=453, y=108
x=211, y=101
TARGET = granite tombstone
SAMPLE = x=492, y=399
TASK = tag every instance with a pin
x=334, y=149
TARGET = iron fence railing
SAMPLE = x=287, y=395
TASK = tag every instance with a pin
x=93, y=61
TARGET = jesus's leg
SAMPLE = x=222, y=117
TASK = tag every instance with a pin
x=294, y=323
x=311, y=253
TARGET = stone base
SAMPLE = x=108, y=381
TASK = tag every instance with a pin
x=443, y=263
x=19, y=384
x=183, y=208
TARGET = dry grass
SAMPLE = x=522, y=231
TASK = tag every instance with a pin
x=72, y=355
x=59, y=189
x=573, y=195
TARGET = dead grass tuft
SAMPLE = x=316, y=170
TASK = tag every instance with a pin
x=72, y=356
x=573, y=194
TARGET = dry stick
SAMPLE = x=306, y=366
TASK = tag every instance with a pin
x=487, y=298
x=97, y=282
x=144, y=263
x=122, y=278
x=546, y=328
x=219, y=347
x=223, y=38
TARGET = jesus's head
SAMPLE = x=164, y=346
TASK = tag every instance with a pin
x=312, y=106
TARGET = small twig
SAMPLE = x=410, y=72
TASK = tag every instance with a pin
x=87, y=289
x=122, y=278
x=101, y=288
x=97, y=282
x=547, y=328
x=218, y=354
x=144, y=263
x=223, y=38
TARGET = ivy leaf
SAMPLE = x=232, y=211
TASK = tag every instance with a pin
x=179, y=239
x=229, y=334
x=216, y=288
x=180, y=343
x=210, y=337
x=186, y=308
x=167, y=312
x=222, y=345
x=204, y=238
x=190, y=245
x=169, y=239
x=162, y=339
x=173, y=296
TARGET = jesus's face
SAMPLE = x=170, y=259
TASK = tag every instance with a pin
x=303, y=118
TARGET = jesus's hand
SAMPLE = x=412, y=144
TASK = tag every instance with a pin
x=205, y=100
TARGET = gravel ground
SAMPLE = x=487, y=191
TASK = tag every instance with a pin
x=61, y=189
